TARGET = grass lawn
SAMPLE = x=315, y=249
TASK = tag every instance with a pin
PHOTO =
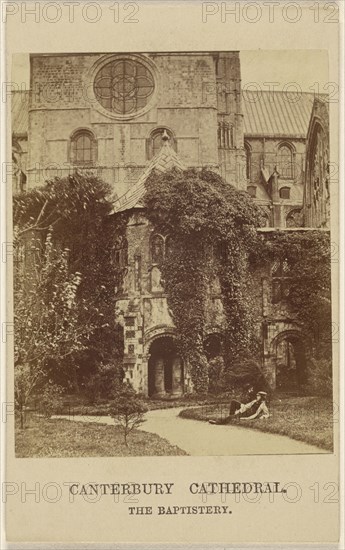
x=308, y=419
x=78, y=405
x=57, y=438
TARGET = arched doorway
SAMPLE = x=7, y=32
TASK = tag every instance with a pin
x=290, y=361
x=165, y=368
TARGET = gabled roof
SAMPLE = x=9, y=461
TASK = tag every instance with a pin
x=276, y=113
x=20, y=112
x=165, y=159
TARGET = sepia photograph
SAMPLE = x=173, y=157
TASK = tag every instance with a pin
x=172, y=255
x=170, y=243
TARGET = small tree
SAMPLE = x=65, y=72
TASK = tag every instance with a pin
x=26, y=380
x=128, y=410
x=49, y=397
x=64, y=278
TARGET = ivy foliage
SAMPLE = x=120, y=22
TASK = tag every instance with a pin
x=308, y=256
x=212, y=229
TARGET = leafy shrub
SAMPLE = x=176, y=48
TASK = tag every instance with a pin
x=320, y=377
x=101, y=384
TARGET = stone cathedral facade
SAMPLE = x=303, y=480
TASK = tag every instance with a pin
x=120, y=116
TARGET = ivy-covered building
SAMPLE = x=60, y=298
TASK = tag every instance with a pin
x=123, y=115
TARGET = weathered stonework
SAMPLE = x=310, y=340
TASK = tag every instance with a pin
x=196, y=99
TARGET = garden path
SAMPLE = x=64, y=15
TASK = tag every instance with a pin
x=202, y=439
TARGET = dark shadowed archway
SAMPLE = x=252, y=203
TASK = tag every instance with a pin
x=290, y=361
x=165, y=368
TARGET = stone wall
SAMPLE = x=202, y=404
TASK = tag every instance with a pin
x=264, y=155
x=187, y=97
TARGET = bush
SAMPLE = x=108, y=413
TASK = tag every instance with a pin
x=128, y=410
x=246, y=373
x=101, y=384
x=49, y=399
x=320, y=377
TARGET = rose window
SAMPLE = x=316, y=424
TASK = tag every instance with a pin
x=124, y=86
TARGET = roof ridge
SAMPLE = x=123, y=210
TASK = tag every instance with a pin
x=278, y=92
x=166, y=158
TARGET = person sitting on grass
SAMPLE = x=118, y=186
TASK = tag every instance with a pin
x=249, y=411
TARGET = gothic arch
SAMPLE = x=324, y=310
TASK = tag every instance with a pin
x=158, y=332
x=289, y=350
x=294, y=218
x=248, y=152
x=286, y=159
x=154, y=141
x=157, y=248
x=165, y=368
x=317, y=192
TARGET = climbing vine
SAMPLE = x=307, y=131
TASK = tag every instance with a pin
x=308, y=256
x=212, y=227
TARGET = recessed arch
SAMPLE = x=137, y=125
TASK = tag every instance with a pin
x=165, y=366
x=289, y=351
x=294, y=218
x=285, y=159
x=248, y=152
x=155, y=141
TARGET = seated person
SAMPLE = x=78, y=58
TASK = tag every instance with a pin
x=249, y=411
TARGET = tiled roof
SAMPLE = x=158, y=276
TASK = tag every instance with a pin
x=272, y=114
x=165, y=159
x=20, y=112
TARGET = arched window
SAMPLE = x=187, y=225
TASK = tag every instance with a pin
x=265, y=220
x=157, y=249
x=251, y=190
x=281, y=275
x=294, y=218
x=225, y=135
x=248, y=161
x=18, y=176
x=83, y=149
x=285, y=161
x=284, y=192
x=155, y=142
x=120, y=252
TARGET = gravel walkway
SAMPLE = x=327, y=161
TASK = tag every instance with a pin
x=203, y=439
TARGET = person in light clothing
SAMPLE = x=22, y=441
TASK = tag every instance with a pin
x=256, y=409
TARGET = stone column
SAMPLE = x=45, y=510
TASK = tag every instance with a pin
x=159, y=377
x=177, y=388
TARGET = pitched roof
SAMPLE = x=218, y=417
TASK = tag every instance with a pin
x=273, y=114
x=20, y=112
x=165, y=159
